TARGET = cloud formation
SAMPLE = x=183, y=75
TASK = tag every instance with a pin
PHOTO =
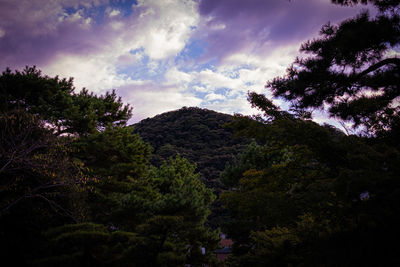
x=162, y=55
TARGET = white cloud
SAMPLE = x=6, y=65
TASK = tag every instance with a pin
x=165, y=26
x=174, y=76
x=158, y=29
x=231, y=106
x=213, y=80
x=200, y=89
x=114, y=13
x=149, y=99
x=117, y=25
x=89, y=72
x=213, y=97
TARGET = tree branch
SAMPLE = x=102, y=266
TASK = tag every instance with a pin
x=54, y=206
x=376, y=66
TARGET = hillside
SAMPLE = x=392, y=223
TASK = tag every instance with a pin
x=196, y=134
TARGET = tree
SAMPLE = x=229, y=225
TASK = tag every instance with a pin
x=311, y=198
x=54, y=100
x=88, y=244
x=351, y=71
x=319, y=197
x=39, y=185
x=77, y=187
x=381, y=4
x=156, y=220
x=180, y=208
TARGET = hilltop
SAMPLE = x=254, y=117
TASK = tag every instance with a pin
x=198, y=135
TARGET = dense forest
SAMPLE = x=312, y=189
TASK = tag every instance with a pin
x=79, y=187
x=199, y=135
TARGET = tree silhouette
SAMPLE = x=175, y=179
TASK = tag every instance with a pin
x=352, y=71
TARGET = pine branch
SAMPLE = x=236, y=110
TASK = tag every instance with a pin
x=382, y=63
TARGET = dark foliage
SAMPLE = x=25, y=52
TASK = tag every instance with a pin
x=39, y=186
x=198, y=135
x=309, y=195
x=351, y=72
x=76, y=187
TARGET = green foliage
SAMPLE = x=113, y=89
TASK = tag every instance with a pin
x=54, y=100
x=319, y=197
x=164, y=207
x=198, y=135
x=184, y=201
x=115, y=152
x=76, y=188
x=88, y=244
x=314, y=199
x=181, y=190
x=158, y=220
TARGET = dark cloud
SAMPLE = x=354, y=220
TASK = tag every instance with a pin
x=21, y=48
x=255, y=26
x=35, y=32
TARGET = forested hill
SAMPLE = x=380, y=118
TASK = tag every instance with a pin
x=196, y=134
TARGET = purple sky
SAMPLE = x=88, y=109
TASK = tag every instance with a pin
x=161, y=55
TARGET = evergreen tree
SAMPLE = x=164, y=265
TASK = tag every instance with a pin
x=54, y=100
x=90, y=197
x=316, y=196
x=351, y=70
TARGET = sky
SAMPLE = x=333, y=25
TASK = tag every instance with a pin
x=161, y=55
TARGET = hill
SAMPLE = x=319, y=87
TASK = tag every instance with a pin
x=198, y=135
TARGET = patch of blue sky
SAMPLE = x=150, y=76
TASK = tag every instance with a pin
x=193, y=50
x=194, y=89
x=144, y=69
x=189, y=59
x=225, y=91
x=99, y=13
x=200, y=95
x=137, y=51
x=196, y=66
x=124, y=6
x=70, y=10
x=234, y=72
x=96, y=13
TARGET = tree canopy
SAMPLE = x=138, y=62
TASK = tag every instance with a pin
x=54, y=100
x=309, y=195
x=77, y=188
x=353, y=72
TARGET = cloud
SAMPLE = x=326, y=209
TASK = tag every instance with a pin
x=114, y=12
x=213, y=97
x=175, y=76
x=149, y=99
x=38, y=30
x=90, y=72
x=162, y=55
x=254, y=26
x=67, y=36
x=231, y=106
x=165, y=26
